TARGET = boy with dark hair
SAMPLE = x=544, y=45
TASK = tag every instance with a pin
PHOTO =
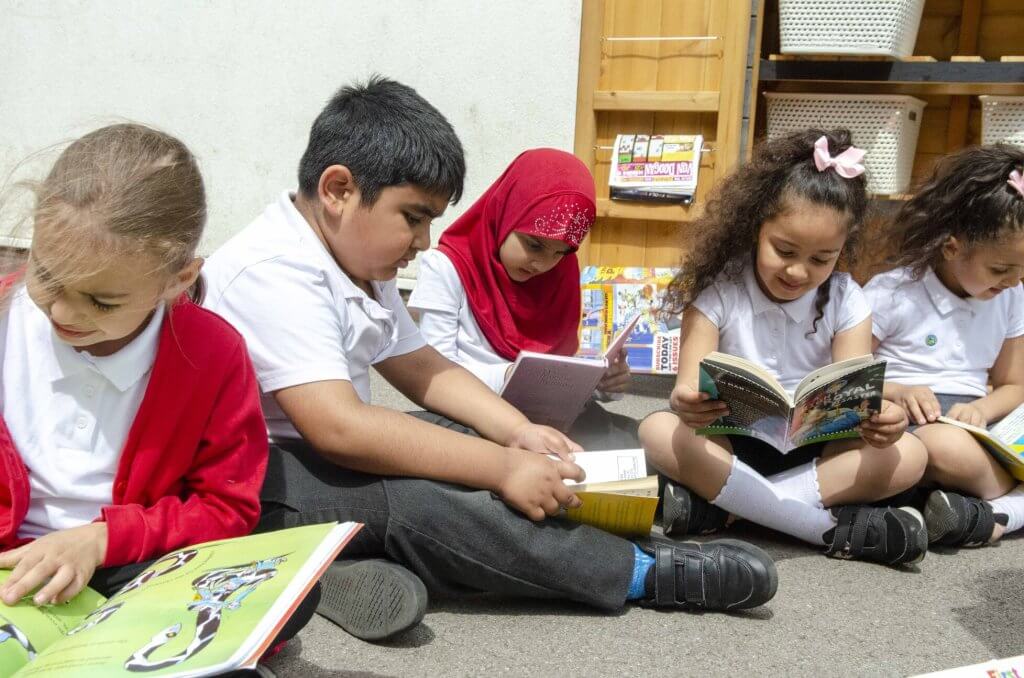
x=310, y=285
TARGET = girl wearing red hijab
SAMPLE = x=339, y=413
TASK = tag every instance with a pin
x=504, y=279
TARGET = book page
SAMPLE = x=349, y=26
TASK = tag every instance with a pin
x=626, y=516
x=1010, y=428
x=831, y=373
x=620, y=340
x=611, y=465
x=26, y=630
x=754, y=409
x=552, y=390
x=200, y=610
x=833, y=410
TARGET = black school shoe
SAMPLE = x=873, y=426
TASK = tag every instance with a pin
x=717, y=575
x=891, y=536
x=683, y=512
x=372, y=599
x=956, y=520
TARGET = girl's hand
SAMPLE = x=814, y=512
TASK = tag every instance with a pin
x=59, y=564
x=969, y=413
x=696, y=408
x=534, y=484
x=618, y=377
x=919, y=403
x=886, y=427
x=543, y=439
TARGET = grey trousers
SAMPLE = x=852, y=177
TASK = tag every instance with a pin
x=456, y=539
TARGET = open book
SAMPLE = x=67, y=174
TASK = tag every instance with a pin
x=1005, y=440
x=618, y=496
x=554, y=389
x=830, y=403
x=198, y=611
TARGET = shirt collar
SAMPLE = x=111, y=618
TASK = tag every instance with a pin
x=122, y=369
x=944, y=300
x=796, y=310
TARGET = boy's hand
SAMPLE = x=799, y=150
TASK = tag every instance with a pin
x=920, y=404
x=969, y=413
x=545, y=440
x=886, y=427
x=618, y=377
x=59, y=564
x=533, y=484
x=696, y=408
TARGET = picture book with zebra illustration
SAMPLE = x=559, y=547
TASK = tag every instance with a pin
x=198, y=611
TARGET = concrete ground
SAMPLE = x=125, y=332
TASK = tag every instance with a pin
x=829, y=617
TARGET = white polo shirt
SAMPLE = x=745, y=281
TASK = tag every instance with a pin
x=931, y=337
x=775, y=335
x=69, y=414
x=447, y=322
x=303, y=319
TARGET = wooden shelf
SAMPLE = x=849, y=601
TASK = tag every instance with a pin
x=678, y=101
x=617, y=209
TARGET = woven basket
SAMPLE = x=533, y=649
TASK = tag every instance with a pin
x=868, y=27
x=1002, y=120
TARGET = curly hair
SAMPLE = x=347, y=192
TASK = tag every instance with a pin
x=968, y=198
x=727, y=232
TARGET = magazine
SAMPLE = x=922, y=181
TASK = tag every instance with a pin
x=655, y=168
x=618, y=496
x=612, y=296
x=1005, y=440
x=554, y=389
x=198, y=611
x=829, y=404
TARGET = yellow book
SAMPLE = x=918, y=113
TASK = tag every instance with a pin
x=618, y=496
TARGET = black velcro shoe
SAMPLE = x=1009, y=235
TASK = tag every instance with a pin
x=956, y=520
x=891, y=536
x=683, y=512
x=717, y=575
x=372, y=599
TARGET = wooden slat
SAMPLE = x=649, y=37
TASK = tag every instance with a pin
x=967, y=45
x=966, y=59
x=622, y=100
x=638, y=210
x=590, y=67
x=736, y=29
x=754, y=78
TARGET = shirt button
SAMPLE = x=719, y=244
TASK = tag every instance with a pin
x=90, y=391
x=82, y=423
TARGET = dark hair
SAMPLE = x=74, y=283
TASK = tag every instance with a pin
x=967, y=197
x=727, y=231
x=386, y=135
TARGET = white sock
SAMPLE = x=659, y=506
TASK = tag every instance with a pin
x=1012, y=504
x=800, y=483
x=750, y=495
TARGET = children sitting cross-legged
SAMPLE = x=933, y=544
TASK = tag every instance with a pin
x=505, y=279
x=760, y=283
x=310, y=284
x=950, y=321
x=131, y=418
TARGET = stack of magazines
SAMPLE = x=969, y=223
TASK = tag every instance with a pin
x=658, y=168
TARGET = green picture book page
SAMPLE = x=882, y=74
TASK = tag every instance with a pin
x=193, y=610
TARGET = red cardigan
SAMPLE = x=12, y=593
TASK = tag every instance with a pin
x=193, y=463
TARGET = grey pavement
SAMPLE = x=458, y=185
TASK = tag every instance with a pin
x=830, y=617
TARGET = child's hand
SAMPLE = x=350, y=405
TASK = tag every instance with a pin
x=545, y=440
x=695, y=408
x=919, y=403
x=59, y=564
x=533, y=484
x=618, y=377
x=886, y=427
x=969, y=413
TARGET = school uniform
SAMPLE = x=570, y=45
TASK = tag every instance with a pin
x=782, y=338
x=931, y=337
x=305, y=321
x=164, y=441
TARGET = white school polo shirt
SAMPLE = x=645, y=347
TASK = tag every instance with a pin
x=447, y=323
x=69, y=414
x=303, y=319
x=931, y=337
x=774, y=335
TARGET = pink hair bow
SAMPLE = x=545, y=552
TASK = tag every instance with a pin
x=1017, y=181
x=847, y=164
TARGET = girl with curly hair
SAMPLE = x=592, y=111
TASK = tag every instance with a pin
x=760, y=283
x=950, y=321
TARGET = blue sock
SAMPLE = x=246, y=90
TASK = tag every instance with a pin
x=642, y=563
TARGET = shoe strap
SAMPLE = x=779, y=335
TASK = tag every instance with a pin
x=851, y=530
x=664, y=575
x=981, y=523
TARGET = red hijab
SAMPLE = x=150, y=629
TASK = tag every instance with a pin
x=546, y=193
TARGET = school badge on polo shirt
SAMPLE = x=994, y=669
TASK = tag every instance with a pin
x=931, y=340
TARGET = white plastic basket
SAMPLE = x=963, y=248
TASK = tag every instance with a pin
x=868, y=27
x=1002, y=120
x=886, y=126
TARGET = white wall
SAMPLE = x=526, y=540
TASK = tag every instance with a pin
x=240, y=82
